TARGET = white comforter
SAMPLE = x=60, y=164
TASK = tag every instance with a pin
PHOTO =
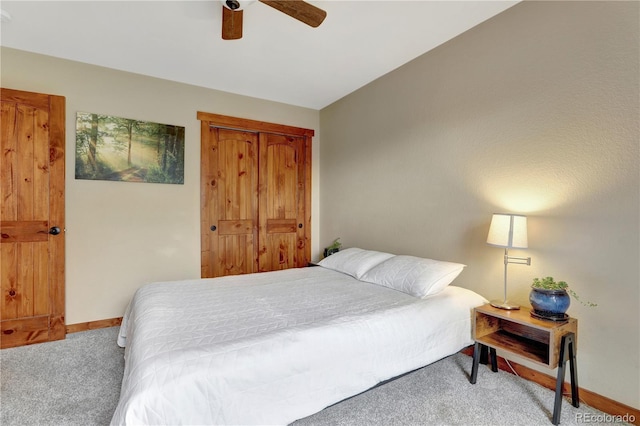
x=274, y=347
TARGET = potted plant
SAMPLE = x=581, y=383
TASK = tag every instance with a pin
x=334, y=247
x=550, y=299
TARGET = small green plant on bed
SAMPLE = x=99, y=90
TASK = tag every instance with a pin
x=548, y=283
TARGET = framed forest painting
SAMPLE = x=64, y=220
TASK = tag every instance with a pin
x=123, y=149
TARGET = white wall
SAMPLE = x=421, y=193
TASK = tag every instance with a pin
x=534, y=111
x=121, y=235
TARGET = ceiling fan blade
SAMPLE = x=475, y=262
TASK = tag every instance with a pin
x=231, y=24
x=300, y=10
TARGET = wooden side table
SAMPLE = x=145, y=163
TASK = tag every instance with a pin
x=547, y=343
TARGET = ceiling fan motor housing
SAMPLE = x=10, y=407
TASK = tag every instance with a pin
x=237, y=4
x=297, y=9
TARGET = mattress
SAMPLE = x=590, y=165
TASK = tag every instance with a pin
x=273, y=347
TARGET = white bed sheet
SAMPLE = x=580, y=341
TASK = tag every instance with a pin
x=274, y=347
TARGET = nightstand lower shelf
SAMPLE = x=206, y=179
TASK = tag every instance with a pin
x=514, y=343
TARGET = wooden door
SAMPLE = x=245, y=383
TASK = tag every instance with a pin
x=255, y=196
x=32, y=218
x=282, y=202
x=230, y=203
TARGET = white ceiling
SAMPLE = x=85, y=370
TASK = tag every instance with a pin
x=278, y=58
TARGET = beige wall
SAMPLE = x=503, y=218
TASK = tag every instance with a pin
x=121, y=235
x=534, y=111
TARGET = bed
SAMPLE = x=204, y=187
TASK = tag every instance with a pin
x=273, y=347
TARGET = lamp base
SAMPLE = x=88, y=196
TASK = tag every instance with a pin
x=504, y=304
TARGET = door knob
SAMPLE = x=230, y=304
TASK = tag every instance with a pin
x=213, y=227
x=54, y=230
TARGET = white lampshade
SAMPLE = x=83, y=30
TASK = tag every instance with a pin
x=508, y=231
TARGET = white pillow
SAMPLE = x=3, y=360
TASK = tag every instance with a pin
x=354, y=261
x=414, y=275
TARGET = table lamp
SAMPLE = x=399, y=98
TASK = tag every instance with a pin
x=508, y=231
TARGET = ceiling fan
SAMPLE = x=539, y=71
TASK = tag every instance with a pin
x=297, y=9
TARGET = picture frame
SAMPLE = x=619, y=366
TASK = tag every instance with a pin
x=129, y=150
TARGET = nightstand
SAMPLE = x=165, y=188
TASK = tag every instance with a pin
x=547, y=343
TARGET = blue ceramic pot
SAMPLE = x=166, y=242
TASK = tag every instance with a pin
x=549, y=303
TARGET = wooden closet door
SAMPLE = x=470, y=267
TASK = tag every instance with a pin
x=32, y=218
x=230, y=202
x=255, y=195
x=282, y=212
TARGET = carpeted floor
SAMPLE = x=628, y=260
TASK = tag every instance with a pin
x=77, y=382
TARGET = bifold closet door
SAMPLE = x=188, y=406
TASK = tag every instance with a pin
x=230, y=200
x=255, y=196
x=282, y=202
